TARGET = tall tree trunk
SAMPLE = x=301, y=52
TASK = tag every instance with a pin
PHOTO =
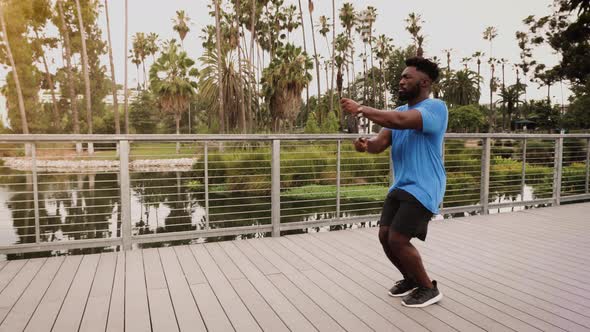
x=252, y=90
x=305, y=50
x=86, y=76
x=219, y=69
x=492, y=115
x=144, y=75
x=353, y=90
x=372, y=72
x=112, y=64
x=72, y=91
x=240, y=86
x=333, y=56
x=126, y=105
x=177, y=120
x=51, y=88
x=317, y=62
x=19, y=93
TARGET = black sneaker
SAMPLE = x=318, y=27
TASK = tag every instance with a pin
x=423, y=297
x=402, y=288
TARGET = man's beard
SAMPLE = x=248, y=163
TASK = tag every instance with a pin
x=409, y=94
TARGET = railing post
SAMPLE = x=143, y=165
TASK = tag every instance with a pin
x=557, y=167
x=35, y=192
x=206, y=175
x=588, y=167
x=125, y=195
x=276, y=188
x=485, y=175
x=442, y=204
x=338, y=177
x=522, y=182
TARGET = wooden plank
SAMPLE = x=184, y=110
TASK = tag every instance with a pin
x=262, y=312
x=375, y=282
x=46, y=312
x=512, y=266
x=70, y=314
x=262, y=263
x=374, y=304
x=336, y=310
x=285, y=254
x=160, y=304
x=260, y=309
x=97, y=308
x=442, y=311
x=213, y=314
x=316, y=315
x=116, y=316
x=192, y=271
x=224, y=263
x=478, y=292
x=556, y=314
x=137, y=313
x=9, y=271
x=185, y=308
x=235, y=309
x=294, y=320
x=12, y=292
x=21, y=312
x=499, y=270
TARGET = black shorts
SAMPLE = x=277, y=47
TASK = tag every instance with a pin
x=405, y=214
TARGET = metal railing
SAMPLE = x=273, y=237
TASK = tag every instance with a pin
x=138, y=189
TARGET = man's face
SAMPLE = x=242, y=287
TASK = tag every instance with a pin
x=411, y=84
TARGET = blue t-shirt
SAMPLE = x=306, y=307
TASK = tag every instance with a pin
x=417, y=155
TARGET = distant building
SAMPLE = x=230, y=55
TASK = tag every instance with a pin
x=45, y=96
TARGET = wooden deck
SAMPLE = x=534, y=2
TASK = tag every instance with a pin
x=524, y=271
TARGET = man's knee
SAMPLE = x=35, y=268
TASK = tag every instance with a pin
x=397, y=241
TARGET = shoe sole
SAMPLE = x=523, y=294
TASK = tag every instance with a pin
x=402, y=294
x=425, y=304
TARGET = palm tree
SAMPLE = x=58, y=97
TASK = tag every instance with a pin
x=233, y=85
x=493, y=86
x=315, y=53
x=86, y=75
x=241, y=105
x=510, y=96
x=136, y=60
x=283, y=81
x=461, y=88
x=478, y=55
x=126, y=105
x=112, y=64
x=181, y=25
x=383, y=49
x=304, y=49
x=219, y=67
x=68, y=55
x=324, y=29
x=370, y=18
x=414, y=27
x=171, y=80
x=348, y=21
x=140, y=46
x=19, y=93
x=333, y=62
x=152, y=45
x=38, y=43
x=489, y=34
x=465, y=61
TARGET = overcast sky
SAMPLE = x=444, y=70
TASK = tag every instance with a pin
x=454, y=24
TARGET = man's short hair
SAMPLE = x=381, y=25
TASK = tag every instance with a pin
x=426, y=66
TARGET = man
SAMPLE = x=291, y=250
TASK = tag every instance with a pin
x=415, y=132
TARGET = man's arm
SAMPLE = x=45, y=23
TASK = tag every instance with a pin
x=411, y=119
x=376, y=144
